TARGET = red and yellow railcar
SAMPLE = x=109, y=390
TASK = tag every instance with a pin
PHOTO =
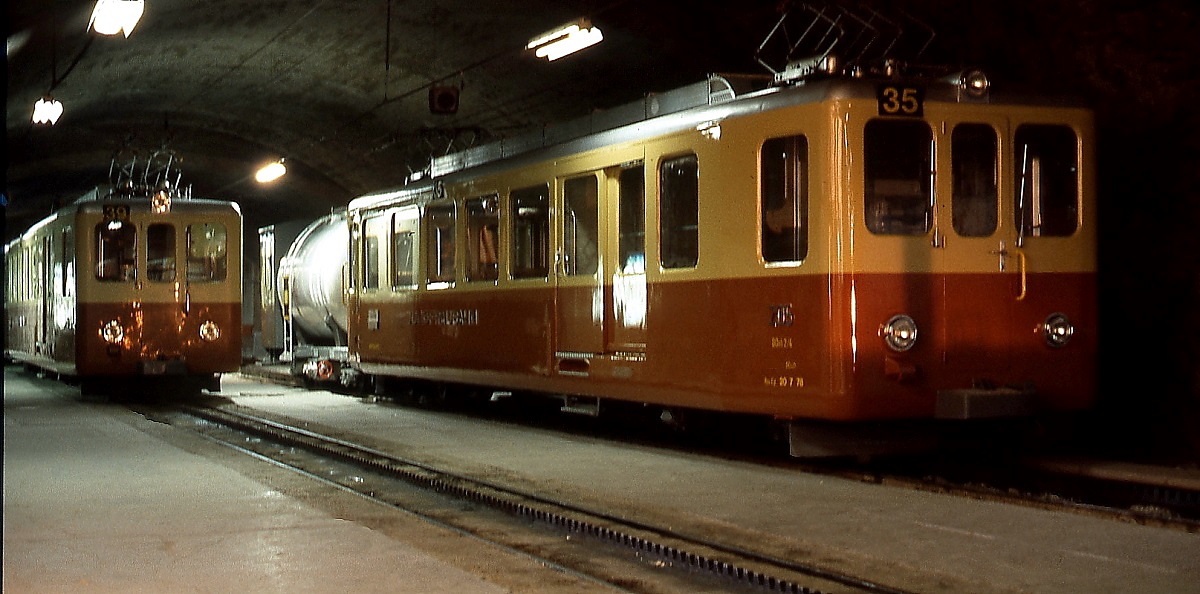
x=123, y=285
x=839, y=249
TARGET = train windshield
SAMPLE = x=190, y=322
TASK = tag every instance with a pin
x=899, y=177
x=207, y=248
x=160, y=252
x=975, y=171
x=1047, y=180
x=116, y=251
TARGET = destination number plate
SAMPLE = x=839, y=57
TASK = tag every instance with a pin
x=901, y=100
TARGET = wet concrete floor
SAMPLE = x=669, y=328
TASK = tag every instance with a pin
x=100, y=499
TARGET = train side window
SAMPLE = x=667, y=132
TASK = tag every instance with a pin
x=441, y=244
x=580, y=226
x=403, y=252
x=530, y=231
x=160, y=252
x=483, y=228
x=207, y=252
x=898, y=157
x=784, y=196
x=68, y=261
x=1047, y=180
x=974, y=172
x=678, y=219
x=373, y=231
x=116, y=251
x=632, y=220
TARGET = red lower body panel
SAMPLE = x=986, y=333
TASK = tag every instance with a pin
x=791, y=347
x=159, y=338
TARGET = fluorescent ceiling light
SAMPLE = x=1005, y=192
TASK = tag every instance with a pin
x=567, y=39
x=270, y=172
x=47, y=111
x=116, y=16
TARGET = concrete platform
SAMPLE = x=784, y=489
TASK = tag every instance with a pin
x=99, y=499
x=923, y=542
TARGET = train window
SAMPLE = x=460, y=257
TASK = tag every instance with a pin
x=116, y=251
x=530, y=231
x=207, y=252
x=632, y=221
x=68, y=261
x=580, y=226
x=160, y=252
x=784, y=196
x=974, y=169
x=403, y=252
x=441, y=245
x=1047, y=180
x=678, y=219
x=373, y=231
x=483, y=228
x=898, y=157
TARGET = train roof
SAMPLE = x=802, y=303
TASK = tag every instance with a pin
x=711, y=100
x=142, y=196
x=96, y=199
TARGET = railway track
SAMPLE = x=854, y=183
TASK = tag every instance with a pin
x=602, y=547
x=1141, y=494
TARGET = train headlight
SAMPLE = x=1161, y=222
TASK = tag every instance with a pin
x=210, y=331
x=900, y=333
x=112, y=332
x=1057, y=330
x=975, y=83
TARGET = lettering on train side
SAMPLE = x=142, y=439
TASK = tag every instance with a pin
x=783, y=381
x=445, y=317
x=781, y=315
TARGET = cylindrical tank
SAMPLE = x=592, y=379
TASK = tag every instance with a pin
x=310, y=281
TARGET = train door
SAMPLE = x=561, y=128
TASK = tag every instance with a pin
x=626, y=294
x=579, y=296
x=977, y=260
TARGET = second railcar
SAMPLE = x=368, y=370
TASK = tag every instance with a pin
x=128, y=285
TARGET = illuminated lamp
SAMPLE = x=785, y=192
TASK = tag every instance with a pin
x=900, y=333
x=116, y=16
x=160, y=202
x=564, y=40
x=210, y=331
x=270, y=172
x=1057, y=330
x=47, y=110
x=975, y=83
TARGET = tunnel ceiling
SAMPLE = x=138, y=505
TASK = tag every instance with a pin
x=338, y=88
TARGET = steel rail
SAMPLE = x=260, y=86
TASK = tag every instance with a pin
x=670, y=547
